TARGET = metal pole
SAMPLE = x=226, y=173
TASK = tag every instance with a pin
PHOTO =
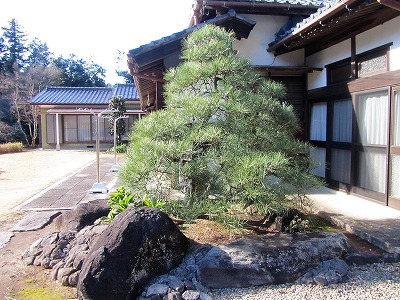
x=98, y=147
x=115, y=167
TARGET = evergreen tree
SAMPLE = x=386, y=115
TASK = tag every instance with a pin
x=118, y=104
x=14, y=39
x=39, y=54
x=78, y=72
x=225, y=133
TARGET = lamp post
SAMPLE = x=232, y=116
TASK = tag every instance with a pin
x=97, y=187
x=115, y=167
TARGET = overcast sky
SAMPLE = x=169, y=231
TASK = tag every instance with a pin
x=94, y=29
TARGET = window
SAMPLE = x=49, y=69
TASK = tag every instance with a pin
x=371, y=64
x=342, y=121
x=372, y=118
x=70, y=128
x=318, y=121
x=368, y=63
x=340, y=165
x=339, y=71
x=318, y=156
x=82, y=128
x=51, y=129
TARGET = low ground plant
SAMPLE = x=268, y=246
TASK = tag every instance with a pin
x=11, y=147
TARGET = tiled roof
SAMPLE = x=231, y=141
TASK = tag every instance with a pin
x=179, y=35
x=126, y=91
x=327, y=4
x=83, y=95
x=292, y=2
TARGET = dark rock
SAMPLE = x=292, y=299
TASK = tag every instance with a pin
x=84, y=214
x=362, y=258
x=273, y=258
x=328, y=272
x=137, y=246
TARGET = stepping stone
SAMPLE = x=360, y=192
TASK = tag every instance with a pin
x=5, y=237
x=35, y=221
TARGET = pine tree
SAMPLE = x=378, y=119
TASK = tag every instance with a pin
x=225, y=134
x=14, y=39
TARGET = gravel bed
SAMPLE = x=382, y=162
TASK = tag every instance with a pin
x=374, y=281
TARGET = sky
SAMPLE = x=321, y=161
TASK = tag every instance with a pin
x=96, y=30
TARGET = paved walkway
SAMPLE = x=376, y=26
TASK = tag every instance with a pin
x=74, y=189
x=378, y=224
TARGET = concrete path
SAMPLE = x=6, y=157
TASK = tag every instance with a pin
x=378, y=224
x=43, y=183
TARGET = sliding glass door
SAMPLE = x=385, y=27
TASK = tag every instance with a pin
x=372, y=121
x=394, y=174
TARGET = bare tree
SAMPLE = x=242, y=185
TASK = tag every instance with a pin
x=19, y=87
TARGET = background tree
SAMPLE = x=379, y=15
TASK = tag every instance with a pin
x=225, y=134
x=121, y=67
x=39, y=54
x=15, y=43
x=20, y=87
x=117, y=103
x=78, y=72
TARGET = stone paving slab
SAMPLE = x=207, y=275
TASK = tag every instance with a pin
x=35, y=221
x=73, y=190
x=5, y=237
x=375, y=223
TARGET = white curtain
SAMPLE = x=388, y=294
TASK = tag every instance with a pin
x=395, y=177
x=372, y=171
x=318, y=156
x=342, y=121
x=84, y=133
x=70, y=128
x=372, y=118
x=396, y=120
x=318, y=122
x=340, y=165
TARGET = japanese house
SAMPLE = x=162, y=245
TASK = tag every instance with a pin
x=68, y=115
x=340, y=62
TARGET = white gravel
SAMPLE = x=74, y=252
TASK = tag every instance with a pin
x=375, y=281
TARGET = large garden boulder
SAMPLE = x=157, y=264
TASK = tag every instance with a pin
x=138, y=245
x=84, y=214
x=268, y=259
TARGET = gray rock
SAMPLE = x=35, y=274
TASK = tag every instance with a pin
x=191, y=295
x=176, y=284
x=84, y=214
x=35, y=221
x=267, y=259
x=173, y=296
x=138, y=245
x=157, y=289
x=328, y=272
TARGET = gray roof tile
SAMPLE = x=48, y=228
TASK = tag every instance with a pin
x=83, y=95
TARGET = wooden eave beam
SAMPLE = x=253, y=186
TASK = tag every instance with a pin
x=390, y=3
x=314, y=23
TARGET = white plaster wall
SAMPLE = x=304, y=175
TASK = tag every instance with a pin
x=381, y=35
x=254, y=48
x=335, y=53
